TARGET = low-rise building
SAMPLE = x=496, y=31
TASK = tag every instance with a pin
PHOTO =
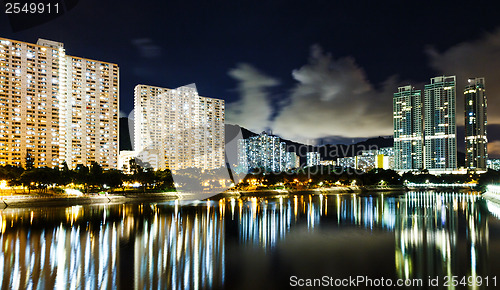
x=369, y=159
x=494, y=164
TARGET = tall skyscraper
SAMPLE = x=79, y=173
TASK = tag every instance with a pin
x=185, y=128
x=476, y=140
x=56, y=108
x=408, y=129
x=440, y=127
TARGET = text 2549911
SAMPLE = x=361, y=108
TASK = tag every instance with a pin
x=31, y=8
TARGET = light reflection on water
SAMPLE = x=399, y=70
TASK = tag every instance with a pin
x=200, y=245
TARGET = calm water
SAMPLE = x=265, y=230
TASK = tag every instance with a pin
x=249, y=243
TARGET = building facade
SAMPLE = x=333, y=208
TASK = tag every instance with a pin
x=292, y=160
x=476, y=154
x=313, y=159
x=56, y=108
x=186, y=129
x=369, y=159
x=265, y=152
x=408, y=129
x=327, y=163
x=493, y=164
x=347, y=162
x=440, y=151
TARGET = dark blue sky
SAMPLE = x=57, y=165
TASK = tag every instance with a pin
x=200, y=41
x=173, y=43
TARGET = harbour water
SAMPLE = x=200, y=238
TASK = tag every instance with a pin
x=255, y=243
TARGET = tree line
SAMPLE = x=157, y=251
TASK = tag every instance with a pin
x=90, y=178
x=331, y=175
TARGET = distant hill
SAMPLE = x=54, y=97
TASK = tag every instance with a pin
x=329, y=151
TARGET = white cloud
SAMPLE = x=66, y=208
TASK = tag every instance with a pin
x=334, y=98
x=253, y=109
x=494, y=149
x=147, y=48
x=122, y=114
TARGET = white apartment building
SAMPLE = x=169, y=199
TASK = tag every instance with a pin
x=185, y=128
x=265, y=152
x=313, y=159
x=56, y=108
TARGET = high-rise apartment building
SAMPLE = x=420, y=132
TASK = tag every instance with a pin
x=263, y=151
x=440, y=152
x=313, y=159
x=476, y=140
x=185, y=128
x=292, y=160
x=408, y=129
x=56, y=108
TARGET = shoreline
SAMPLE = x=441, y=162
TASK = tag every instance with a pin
x=324, y=191
x=334, y=191
x=20, y=201
x=24, y=201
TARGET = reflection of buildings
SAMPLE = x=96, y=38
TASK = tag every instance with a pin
x=185, y=128
x=181, y=251
x=368, y=212
x=427, y=235
x=264, y=224
x=169, y=246
x=110, y=247
x=475, y=125
x=55, y=107
x=59, y=256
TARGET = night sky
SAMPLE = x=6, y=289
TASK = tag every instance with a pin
x=312, y=71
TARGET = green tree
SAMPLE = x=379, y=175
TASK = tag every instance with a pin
x=113, y=178
x=82, y=176
x=164, y=180
x=96, y=176
x=40, y=178
x=11, y=174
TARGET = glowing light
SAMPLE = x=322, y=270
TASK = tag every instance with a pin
x=493, y=188
x=72, y=191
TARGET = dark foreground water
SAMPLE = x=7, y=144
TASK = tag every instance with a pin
x=255, y=243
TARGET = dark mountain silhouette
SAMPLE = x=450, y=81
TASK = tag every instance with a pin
x=329, y=151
